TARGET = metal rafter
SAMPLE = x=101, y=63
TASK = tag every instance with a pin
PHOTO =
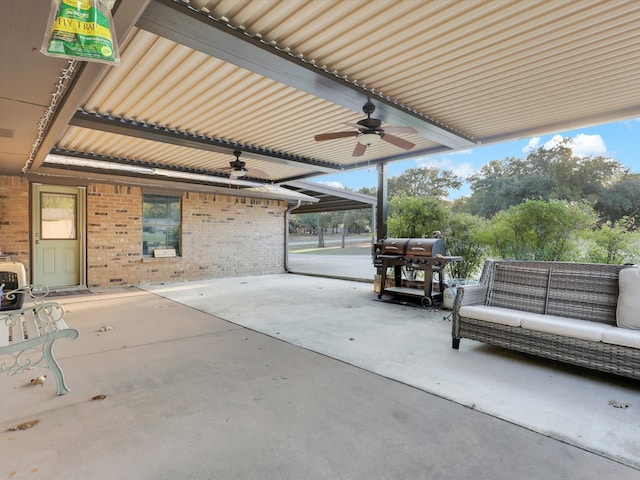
x=170, y=168
x=156, y=133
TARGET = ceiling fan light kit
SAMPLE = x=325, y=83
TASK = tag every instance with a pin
x=236, y=173
x=369, y=139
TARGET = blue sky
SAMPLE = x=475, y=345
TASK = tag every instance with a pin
x=620, y=141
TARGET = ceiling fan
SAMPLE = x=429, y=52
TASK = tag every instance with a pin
x=370, y=131
x=238, y=168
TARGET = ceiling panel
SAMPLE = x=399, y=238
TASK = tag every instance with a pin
x=475, y=66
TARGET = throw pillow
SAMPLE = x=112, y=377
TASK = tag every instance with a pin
x=628, y=312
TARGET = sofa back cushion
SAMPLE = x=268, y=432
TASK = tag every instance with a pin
x=520, y=287
x=628, y=312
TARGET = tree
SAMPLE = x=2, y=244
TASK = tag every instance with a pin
x=620, y=199
x=462, y=237
x=371, y=191
x=614, y=243
x=323, y=220
x=424, y=182
x=546, y=174
x=357, y=221
x=415, y=217
x=308, y=222
x=539, y=230
x=502, y=184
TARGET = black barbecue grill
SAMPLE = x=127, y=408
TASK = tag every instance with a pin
x=411, y=255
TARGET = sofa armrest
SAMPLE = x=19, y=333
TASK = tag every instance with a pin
x=466, y=295
x=470, y=295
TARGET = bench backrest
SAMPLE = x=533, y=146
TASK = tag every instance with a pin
x=19, y=325
x=577, y=290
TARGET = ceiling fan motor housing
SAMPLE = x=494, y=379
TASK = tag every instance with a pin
x=370, y=123
x=237, y=164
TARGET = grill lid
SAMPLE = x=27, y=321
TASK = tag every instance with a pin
x=425, y=247
x=413, y=247
x=394, y=246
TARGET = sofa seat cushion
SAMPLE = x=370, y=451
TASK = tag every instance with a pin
x=623, y=337
x=502, y=316
x=628, y=311
x=566, y=327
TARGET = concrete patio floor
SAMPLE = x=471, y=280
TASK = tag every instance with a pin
x=194, y=395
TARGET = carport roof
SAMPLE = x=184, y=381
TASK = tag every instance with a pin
x=330, y=199
x=198, y=81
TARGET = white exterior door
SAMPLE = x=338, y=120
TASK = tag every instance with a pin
x=58, y=235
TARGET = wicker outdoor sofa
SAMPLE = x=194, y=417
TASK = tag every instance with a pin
x=570, y=312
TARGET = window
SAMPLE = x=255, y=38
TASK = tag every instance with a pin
x=160, y=223
x=58, y=216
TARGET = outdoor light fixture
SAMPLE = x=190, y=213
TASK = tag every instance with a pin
x=237, y=173
x=369, y=139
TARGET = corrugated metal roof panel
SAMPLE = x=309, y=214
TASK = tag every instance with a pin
x=453, y=60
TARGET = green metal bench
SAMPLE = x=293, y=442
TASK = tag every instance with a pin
x=27, y=334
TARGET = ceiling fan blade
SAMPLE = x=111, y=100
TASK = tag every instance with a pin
x=332, y=136
x=359, y=150
x=405, y=130
x=398, y=142
x=254, y=172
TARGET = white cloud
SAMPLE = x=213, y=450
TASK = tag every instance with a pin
x=555, y=140
x=582, y=145
x=532, y=145
x=444, y=163
x=333, y=184
x=585, y=145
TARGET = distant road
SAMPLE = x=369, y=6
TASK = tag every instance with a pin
x=306, y=242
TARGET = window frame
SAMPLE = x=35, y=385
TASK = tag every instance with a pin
x=163, y=223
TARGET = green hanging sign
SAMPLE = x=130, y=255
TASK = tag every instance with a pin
x=81, y=30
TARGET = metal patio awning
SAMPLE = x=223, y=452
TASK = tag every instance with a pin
x=330, y=199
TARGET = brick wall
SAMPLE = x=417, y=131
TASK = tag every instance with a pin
x=114, y=235
x=222, y=235
x=14, y=219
